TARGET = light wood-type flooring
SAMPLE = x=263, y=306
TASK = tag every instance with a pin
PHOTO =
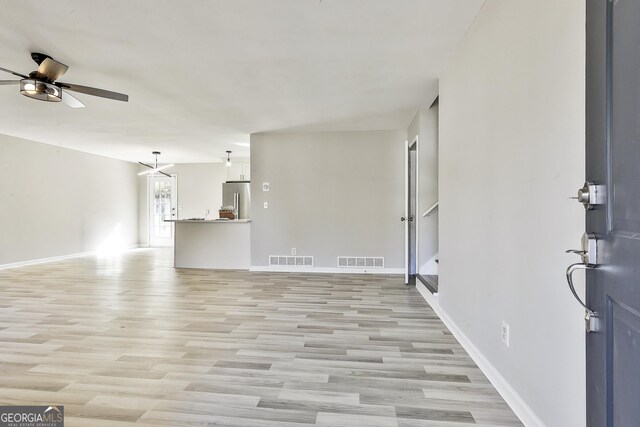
x=129, y=340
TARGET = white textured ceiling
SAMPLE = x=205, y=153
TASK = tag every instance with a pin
x=203, y=75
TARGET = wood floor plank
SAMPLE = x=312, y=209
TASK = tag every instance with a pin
x=129, y=340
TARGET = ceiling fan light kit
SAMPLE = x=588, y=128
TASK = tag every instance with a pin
x=42, y=84
x=41, y=91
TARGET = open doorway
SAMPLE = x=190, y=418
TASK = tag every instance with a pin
x=421, y=199
x=163, y=204
x=428, y=210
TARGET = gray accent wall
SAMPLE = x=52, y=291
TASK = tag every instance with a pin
x=512, y=150
x=331, y=194
x=57, y=202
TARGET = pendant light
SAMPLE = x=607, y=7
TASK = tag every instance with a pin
x=228, y=158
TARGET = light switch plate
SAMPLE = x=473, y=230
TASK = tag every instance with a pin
x=266, y=205
x=265, y=186
x=504, y=333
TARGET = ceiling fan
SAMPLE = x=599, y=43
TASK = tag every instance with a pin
x=42, y=84
x=153, y=169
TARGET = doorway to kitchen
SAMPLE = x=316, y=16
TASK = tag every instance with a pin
x=163, y=205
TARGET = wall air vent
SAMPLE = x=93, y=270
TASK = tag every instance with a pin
x=289, y=261
x=360, y=262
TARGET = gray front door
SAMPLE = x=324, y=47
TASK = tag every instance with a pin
x=613, y=162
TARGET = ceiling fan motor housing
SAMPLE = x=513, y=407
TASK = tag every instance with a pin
x=39, y=57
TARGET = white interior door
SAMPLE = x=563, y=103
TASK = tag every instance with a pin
x=163, y=198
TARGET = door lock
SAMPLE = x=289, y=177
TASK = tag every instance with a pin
x=591, y=195
x=589, y=257
x=589, y=252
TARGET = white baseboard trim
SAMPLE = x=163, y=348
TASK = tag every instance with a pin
x=44, y=260
x=53, y=259
x=513, y=399
x=330, y=270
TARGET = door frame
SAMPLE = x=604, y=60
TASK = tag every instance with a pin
x=407, y=198
x=149, y=207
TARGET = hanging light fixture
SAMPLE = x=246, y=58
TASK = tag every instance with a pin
x=153, y=169
x=228, y=158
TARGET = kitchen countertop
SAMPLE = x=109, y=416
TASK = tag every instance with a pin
x=210, y=221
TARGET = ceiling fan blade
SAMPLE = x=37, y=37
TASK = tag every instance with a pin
x=52, y=69
x=9, y=82
x=94, y=91
x=151, y=167
x=14, y=73
x=71, y=100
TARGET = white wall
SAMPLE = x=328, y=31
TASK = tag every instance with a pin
x=425, y=126
x=512, y=149
x=57, y=201
x=200, y=188
x=331, y=194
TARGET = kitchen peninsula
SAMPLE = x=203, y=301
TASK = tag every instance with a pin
x=212, y=244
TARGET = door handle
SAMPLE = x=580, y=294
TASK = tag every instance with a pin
x=589, y=257
x=591, y=323
x=570, y=270
x=410, y=219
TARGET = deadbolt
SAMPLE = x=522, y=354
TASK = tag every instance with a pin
x=591, y=195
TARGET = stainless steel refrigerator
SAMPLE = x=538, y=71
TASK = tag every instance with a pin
x=238, y=195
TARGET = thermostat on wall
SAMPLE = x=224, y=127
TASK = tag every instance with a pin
x=265, y=186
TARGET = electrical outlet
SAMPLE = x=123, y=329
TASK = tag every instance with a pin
x=293, y=251
x=266, y=205
x=505, y=333
x=265, y=186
